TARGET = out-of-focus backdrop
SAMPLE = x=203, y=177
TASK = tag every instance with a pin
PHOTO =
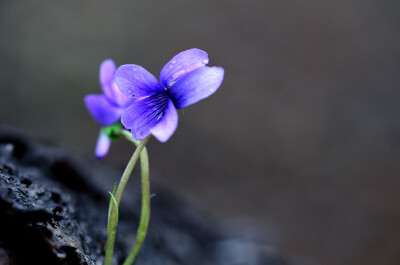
x=302, y=140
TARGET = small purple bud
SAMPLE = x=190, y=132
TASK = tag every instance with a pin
x=102, y=146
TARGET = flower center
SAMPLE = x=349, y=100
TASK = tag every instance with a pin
x=158, y=103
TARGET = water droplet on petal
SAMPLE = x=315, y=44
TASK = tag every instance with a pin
x=173, y=61
x=171, y=66
x=129, y=91
x=205, y=61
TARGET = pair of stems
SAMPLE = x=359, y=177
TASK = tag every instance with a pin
x=116, y=199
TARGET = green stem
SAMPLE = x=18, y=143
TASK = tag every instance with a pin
x=128, y=136
x=145, y=214
x=112, y=221
x=129, y=168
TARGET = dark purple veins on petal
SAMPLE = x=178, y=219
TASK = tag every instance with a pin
x=144, y=114
x=158, y=103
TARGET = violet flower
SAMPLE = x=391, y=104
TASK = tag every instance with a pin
x=106, y=108
x=184, y=80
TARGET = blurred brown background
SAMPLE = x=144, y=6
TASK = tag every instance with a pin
x=302, y=140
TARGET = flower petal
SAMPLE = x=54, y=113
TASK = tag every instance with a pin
x=166, y=127
x=102, y=110
x=110, y=89
x=115, y=95
x=102, y=146
x=144, y=114
x=134, y=81
x=107, y=69
x=196, y=86
x=182, y=64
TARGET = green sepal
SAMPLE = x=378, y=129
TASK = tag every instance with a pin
x=113, y=131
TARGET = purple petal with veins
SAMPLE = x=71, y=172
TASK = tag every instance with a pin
x=196, y=86
x=182, y=64
x=166, y=127
x=134, y=81
x=144, y=114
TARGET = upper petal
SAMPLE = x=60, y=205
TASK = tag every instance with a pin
x=102, y=110
x=107, y=69
x=135, y=81
x=144, y=114
x=114, y=95
x=166, y=127
x=182, y=64
x=110, y=89
x=196, y=86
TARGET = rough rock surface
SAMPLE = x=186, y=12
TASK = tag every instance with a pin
x=52, y=211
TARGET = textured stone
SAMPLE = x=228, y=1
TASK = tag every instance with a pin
x=53, y=211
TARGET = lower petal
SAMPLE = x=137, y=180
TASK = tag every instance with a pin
x=144, y=114
x=166, y=127
x=102, y=110
x=102, y=146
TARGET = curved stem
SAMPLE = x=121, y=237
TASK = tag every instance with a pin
x=128, y=136
x=145, y=214
x=113, y=221
x=129, y=168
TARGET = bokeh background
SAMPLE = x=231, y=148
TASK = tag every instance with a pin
x=301, y=144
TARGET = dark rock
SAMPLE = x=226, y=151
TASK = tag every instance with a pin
x=53, y=211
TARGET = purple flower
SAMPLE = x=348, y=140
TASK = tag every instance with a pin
x=106, y=108
x=184, y=80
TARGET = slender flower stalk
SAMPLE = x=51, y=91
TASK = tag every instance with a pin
x=145, y=214
x=113, y=220
x=129, y=168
